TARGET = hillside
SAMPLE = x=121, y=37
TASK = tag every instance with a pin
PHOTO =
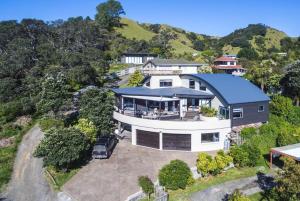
x=257, y=36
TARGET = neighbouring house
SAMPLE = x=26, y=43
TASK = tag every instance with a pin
x=136, y=58
x=170, y=67
x=228, y=64
x=167, y=111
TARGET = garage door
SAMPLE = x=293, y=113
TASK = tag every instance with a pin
x=177, y=141
x=147, y=138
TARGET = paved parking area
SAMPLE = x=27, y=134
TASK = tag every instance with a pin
x=116, y=178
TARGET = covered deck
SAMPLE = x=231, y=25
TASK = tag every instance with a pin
x=161, y=104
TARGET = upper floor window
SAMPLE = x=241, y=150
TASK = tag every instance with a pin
x=232, y=63
x=202, y=88
x=261, y=108
x=192, y=84
x=165, y=83
x=237, y=113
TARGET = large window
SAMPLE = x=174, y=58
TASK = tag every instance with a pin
x=165, y=83
x=210, y=137
x=237, y=113
x=224, y=112
x=192, y=84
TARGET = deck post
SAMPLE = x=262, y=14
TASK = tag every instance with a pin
x=271, y=158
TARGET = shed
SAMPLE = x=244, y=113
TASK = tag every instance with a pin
x=292, y=151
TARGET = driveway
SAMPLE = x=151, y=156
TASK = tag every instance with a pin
x=28, y=182
x=116, y=178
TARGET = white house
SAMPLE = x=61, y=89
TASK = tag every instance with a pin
x=165, y=112
x=228, y=64
x=137, y=58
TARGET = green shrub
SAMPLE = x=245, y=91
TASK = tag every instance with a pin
x=281, y=106
x=204, y=165
x=237, y=196
x=247, y=133
x=175, y=175
x=47, y=123
x=254, y=154
x=88, y=128
x=223, y=160
x=146, y=184
x=240, y=156
x=208, y=112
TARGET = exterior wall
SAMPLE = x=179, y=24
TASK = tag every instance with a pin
x=154, y=80
x=195, y=128
x=250, y=113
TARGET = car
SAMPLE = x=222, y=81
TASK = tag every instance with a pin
x=104, y=146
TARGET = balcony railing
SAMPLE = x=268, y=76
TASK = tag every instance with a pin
x=162, y=72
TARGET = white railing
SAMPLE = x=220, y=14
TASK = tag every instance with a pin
x=162, y=72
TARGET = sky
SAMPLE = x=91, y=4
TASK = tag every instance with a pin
x=211, y=17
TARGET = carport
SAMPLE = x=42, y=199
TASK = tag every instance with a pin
x=292, y=151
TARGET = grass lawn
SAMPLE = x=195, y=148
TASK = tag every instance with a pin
x=258, y=197
x=117, y=67
x=7, y=156
x=202, y=184
x=58, y=178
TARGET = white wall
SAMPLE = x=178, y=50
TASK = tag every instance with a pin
x=154, y=80
x=195, y=128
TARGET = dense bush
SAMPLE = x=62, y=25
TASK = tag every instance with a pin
x=240, y=156
x=209, y=165
x=248, y=53
x=63, y=148
x=46, y=123
x=146, y=184
x=88, y=128
x=237, y=196
x=208, y=112
x=175, y=175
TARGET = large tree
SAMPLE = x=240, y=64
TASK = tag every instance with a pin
x=108, y=14
x=135, y=79
x=291, y=82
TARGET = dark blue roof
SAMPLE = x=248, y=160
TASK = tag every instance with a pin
x=234, y=89
x=164, y=92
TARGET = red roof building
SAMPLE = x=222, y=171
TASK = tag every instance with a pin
x=228, y=64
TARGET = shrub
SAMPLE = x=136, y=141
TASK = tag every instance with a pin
x=254, y=154
x=237, y=196
x=47, y=123
x=175, y=175
x=204, y=163
x=63, y=148
x=223, y=160
x=88, y=128
x=240, y=156
x=281, y=106
x=208, y=112
x=247, y=133
x=146, y=184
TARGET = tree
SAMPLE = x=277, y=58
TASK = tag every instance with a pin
x=63, y=148
x=199, y=45
x=248, y=53
x=175, y=175
x=96, y=105
x=88, y=128
x=135, y=79
x=288, y=185
x=261, y=74
x=108, y=14
x=281, y=106
x=147, y=185
x=54, y=93
x=291, y=82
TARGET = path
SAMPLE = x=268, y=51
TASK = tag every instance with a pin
x=28, y=182
x=247, y=186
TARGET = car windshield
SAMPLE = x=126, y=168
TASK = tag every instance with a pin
x=99, y=148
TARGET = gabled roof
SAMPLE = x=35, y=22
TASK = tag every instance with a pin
x=139, y=54
x=172, y=62
x=162, y=92
x=224, y=58
x=234, y=89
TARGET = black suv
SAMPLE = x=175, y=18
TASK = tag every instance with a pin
x=104, y=146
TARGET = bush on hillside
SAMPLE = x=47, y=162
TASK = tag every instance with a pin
x=147, y=185
x=46, y=123
x=175, y=175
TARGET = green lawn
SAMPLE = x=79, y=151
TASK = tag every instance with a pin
x=117, y=67
x=258, y=197
x=58, y=178
x=7, y=155
x=202, y=184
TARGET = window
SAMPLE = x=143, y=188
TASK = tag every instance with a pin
x=202, y=88
x=224, y=112
x=192, y=84
x=209, y=137
x=165, y=83
x=148, y=84
x=232, y=63
x=237, y=113
x=261, y=108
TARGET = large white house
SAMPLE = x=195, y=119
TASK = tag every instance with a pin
x=165, y=112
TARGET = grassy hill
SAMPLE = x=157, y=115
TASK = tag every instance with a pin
x=256, y=36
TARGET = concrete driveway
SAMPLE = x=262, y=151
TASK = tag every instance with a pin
x=116, y=178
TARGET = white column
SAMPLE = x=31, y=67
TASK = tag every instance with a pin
x=166, y=106
x=133, y=135
x=122, y=103
x=160, y=141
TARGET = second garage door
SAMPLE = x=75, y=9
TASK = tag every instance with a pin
x=176, y=141
x=147, y=138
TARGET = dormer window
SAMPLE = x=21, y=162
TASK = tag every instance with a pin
x=165, y=83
